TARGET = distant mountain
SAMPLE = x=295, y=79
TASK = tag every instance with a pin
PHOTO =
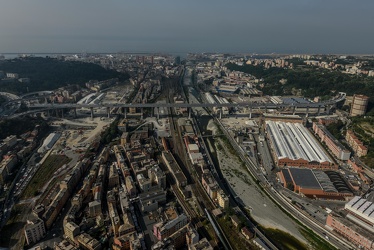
x=50, y=73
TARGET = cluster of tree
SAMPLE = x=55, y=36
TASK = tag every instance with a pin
x=335, y=129
x=312, y=81
x=110, y=133
x=365, y=135
x=50, y=73
x=18, y=126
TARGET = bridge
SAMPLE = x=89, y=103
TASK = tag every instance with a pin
x=34, y=108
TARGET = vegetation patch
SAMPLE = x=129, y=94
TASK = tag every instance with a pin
x=316, y=241
x=283, y=240
x=18, y=126
x=44, y=174
x=237, y=241
x=50, y=73
x=311, y=81
x=16, y=222
x=363, y=127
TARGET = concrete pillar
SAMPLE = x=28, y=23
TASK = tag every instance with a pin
x=307, y=111
x=125, y=111
x=189, y=113
x=328, y=109
x=92, y=113
x=220, y=114
x=319, y=110
x=141, y=112
x=266, y=108
x=294, y=110
x=158, y=113
x=108, y=111
x=250, y=112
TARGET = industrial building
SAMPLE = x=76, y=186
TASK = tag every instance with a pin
x=359, y=105
x=361, y=211
x=331, y=142
x=315, y=183
x=293, y=145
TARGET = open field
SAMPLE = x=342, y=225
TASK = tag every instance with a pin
x=44, y=174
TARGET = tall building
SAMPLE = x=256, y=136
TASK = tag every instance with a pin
x=359, y=105
x=34, y=230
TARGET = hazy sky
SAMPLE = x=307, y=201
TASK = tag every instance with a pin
x=262, y=26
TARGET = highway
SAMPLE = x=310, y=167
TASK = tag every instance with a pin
x=182, y=105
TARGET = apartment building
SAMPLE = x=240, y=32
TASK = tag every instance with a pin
x=34, y=230
x=162, y=230
x=357, y=145
x=331, y=142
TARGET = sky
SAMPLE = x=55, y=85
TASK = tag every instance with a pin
x=176, y=26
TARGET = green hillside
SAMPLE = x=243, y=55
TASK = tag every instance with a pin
x=50, y=73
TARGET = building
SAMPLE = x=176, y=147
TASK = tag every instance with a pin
x=87, y=242
x=360, y=237
x=361, y=211
x=203, y=244
x=49, y=142
x=235, y=220
x=71, y=230
x=331, y=142
x=293, y=145
x=34, y=230
x=163, y=230
x=65, y=245
x=124, y=242
x=10, y=141
x=150, y=201
x=223, y=200
x=359, y=105
x=94, y=208
x=174, y=169
x=9, y=163
x=113, y=179
x=315, y=183
x=209, y=184
x=246, y=233
x=357, y=145
x=157, y=176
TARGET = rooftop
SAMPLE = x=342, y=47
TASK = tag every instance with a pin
x=304, y=178
x=294, y=141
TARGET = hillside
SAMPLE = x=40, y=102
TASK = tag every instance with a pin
x=50, y=73
x=312, y=81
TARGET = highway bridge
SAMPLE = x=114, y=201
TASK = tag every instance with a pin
x=34, y=108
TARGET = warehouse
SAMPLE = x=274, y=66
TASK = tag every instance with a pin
x=314, y=183
x=293, y=145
